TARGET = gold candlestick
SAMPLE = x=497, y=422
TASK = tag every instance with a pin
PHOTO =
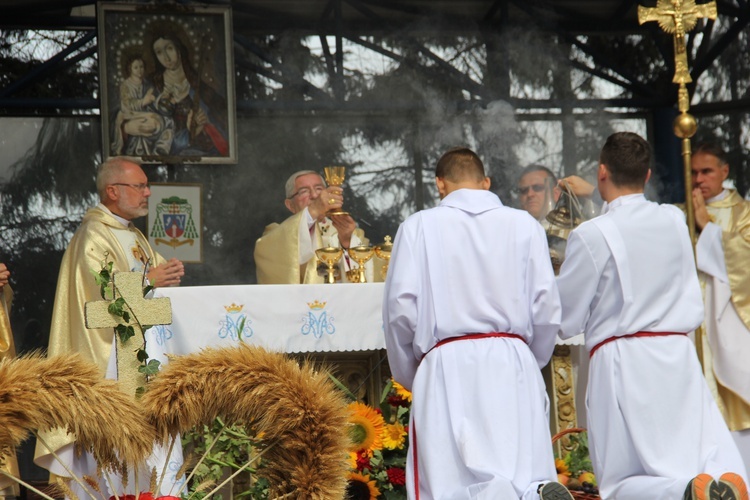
x=335, y=177
x=383, y=251
x=330, y=256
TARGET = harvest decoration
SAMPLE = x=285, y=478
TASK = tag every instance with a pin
x=379, y=462
x=301, y=416
x=297, y=412
x=39, y=393
x=575, y=470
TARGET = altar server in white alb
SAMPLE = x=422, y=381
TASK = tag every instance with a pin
x=629, y=283
x=471, y=312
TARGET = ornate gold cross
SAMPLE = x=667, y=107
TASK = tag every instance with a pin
x=678, y=17
x=129, y=285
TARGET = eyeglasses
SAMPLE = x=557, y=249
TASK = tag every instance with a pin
x=139, y=187
x=306, y=192
x=537, y=188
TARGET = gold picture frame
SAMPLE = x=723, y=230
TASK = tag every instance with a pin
x=167, y=83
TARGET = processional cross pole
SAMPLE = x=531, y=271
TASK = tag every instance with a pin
x=129, y=285
x=678, y=17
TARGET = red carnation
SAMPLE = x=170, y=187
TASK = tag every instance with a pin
x=396, y=475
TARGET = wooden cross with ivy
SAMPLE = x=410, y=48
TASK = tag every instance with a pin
x=125, y=309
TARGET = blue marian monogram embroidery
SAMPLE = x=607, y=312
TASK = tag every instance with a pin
x=317, y=321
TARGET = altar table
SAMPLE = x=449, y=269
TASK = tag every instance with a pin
x=338, y=324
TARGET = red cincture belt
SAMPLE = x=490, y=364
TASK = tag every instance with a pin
x=475, y=336
x=637, y=334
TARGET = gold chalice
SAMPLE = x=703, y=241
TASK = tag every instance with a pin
x=360, y=254
x=383, y=251
x=335, y=177
x=330, y=256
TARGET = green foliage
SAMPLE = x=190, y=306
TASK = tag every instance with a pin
x=241, y=327
x=125, y=332
x=234, y=447
x=150, y=368
x=578, y=459
x=104, y=279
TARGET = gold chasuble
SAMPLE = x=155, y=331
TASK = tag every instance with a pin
x=97, y=240
x=732, y=214
x=7, y=351
x=277, y=252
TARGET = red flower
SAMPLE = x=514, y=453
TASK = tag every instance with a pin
x=145, y=495
x=397, y=400
x=396, y=475
x=363, y=460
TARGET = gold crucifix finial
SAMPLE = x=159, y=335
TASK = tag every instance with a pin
x=678, y=17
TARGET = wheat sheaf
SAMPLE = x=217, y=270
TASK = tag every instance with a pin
x=293, y=406
x=38, y=393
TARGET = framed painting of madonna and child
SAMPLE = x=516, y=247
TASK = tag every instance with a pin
x=167, y=83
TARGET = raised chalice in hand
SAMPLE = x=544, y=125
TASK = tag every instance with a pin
x=335, y=177
x=330, y=256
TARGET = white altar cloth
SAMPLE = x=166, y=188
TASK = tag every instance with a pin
x=285, y=318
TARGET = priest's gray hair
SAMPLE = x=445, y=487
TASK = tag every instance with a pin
x=109, y=170
x=289, y=186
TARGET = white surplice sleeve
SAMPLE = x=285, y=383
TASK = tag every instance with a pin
x=710, y=252
x=544, y=299
x=400, y=309
x=577, y=283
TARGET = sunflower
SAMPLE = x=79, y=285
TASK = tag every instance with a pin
x=561, y=466
x=401, y=391
x=366, y=427
x=394, y=436
x=351, y=460
x=361, y=487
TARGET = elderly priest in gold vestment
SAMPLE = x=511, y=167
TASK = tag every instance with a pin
x=723, y=250
x=285, y=254
x=106, y=234
x=7, y=350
